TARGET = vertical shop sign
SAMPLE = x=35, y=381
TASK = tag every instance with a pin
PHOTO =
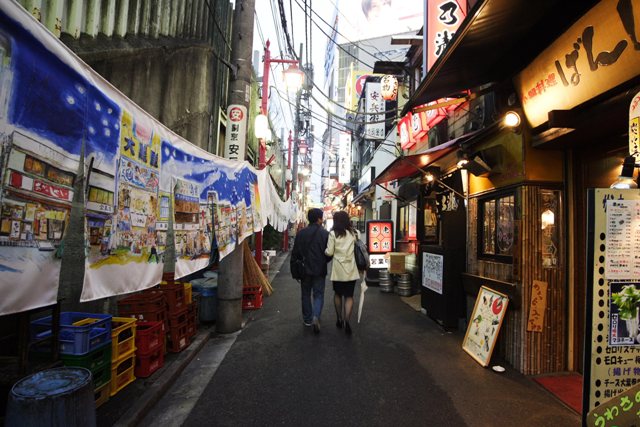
x=379, y=242
x=374, y=107
x=405, y=131
x=443, y=19
x=537, y=306
x=235, y=146
x=344, y=160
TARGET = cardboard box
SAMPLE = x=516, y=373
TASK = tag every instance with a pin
x=397, y=262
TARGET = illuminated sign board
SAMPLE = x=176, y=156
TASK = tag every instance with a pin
x=379, y=236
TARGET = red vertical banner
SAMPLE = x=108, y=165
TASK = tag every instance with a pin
x=443, y=19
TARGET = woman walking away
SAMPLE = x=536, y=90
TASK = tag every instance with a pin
x=344, y=272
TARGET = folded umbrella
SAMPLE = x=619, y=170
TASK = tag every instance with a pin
x=363, y=289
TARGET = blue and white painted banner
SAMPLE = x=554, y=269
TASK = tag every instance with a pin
x=139, y=179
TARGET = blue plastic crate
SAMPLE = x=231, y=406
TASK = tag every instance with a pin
x=91, y=330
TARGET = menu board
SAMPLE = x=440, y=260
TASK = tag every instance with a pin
x=486, y=320
x=432, y=266
x=623, y=237
x=612, y=348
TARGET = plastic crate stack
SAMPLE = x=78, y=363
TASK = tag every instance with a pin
x=178, y=315
x=148, y=305
x=123, y=356
x=85, y=341
x=251, y=297
x=150, y=347
x=192, y=306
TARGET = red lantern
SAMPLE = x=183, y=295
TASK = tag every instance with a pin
x=389, y=87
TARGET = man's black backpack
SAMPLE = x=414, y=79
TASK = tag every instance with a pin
x=297, y=266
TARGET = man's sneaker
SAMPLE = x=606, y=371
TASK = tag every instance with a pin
x=306, y=323
x=316, y=326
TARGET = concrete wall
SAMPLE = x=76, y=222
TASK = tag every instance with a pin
x=173, y=85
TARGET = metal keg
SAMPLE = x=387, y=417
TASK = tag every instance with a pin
x=386, y=285
x=403, y=287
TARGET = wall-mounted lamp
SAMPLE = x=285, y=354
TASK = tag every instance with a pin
x=429, y=177
x=547, y=218
x=473, y=163
x=463, y=160
x=625, y=180
x=512, y=119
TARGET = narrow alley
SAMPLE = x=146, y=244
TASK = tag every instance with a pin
x=398, y=368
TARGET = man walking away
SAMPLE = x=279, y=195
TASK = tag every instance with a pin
x=310, y=244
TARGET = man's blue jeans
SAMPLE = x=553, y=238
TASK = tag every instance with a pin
x=312, y=309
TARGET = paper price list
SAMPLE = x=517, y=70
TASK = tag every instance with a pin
x=623, y=240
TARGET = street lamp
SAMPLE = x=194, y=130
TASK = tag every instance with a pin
x=293, y=76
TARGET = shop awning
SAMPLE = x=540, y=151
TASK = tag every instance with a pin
x=498, y=39
x=364, y=193
x=407, y=166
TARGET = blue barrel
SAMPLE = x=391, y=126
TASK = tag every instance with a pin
x=209, y=302
x=54, y=397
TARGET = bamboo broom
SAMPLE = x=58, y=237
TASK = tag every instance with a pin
x=252, y=275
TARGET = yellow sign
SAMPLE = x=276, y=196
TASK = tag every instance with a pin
x=139, y=143
x=596, y=54
x=354, y=87
x=537, y=306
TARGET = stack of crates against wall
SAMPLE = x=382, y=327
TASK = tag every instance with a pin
x=85, y=341
x=178, y=315
x=123, y=356
x=150, y=305
x=150, y=347
x=251, y=297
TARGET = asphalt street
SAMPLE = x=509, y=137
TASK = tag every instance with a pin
x=398, y=368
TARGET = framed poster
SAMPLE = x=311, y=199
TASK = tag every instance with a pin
x=486, y=320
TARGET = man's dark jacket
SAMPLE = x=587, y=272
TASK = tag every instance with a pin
x=312, y=241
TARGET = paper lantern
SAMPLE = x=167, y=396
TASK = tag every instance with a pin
x=389, y=87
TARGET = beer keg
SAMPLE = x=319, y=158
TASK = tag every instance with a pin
x=403, y=287
x=386, y=285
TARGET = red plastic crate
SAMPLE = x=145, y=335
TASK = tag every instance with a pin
x=149, y=336
x=178, y=339
x=149, y=300
x=251, y=298
x=174, y=294
x=147, y=364
x=156, y=315
x=192, y=320
x=179, y=317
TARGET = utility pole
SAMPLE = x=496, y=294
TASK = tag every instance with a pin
x=229, y=281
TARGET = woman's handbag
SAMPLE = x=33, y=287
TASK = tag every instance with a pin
x=361, y=255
